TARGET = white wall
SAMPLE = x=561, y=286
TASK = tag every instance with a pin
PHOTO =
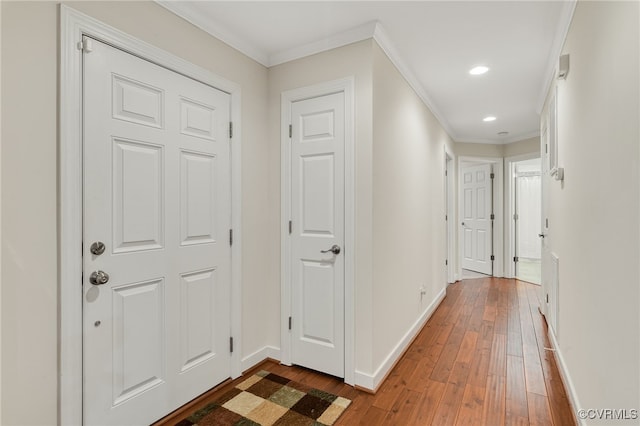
x=408, y=207
x=593, y=214
x=29, y=332
x=351, y=60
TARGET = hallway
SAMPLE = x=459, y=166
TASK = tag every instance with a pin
x=479, y=360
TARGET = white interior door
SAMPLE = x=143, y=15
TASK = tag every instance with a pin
x=317, y=213
x=476, y=218
x=157, y=195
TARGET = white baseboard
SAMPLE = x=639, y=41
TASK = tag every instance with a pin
x=372, y=381
x=258, y=356
x=566, y=378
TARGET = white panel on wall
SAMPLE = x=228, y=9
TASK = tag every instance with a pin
x=138, y=187
x=137, y=102
x=318, y=126
x=318, y=189
x=197, y=198
x=318, y=301
x=197, y=306
x=197, y=119
x=138, y=338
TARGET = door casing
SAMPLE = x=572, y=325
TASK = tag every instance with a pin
x=73, y=26
x=345, y=85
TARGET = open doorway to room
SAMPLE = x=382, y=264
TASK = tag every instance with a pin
x=525, y=207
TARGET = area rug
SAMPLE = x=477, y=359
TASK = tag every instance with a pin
x=266, y=399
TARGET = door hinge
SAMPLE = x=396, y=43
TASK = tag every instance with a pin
x=493, y=258
x=516, y=259
x=546, y=148
x=231, y=344
x=290, y=131
x=446, y=172
x=492, y=175
x=446, y=262
x=546, y=223
x=289, y=323
x=493, y=216
x=446, y=217
x=230, y=130
x=290, y=227
x=86, y=45
x=547, y=297
x=515, y=216
x=230, y=237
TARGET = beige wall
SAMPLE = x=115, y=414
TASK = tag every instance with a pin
x=29, y=192
x=593, y=214
x=408, y=206
x=526, y=146
x=351, y=60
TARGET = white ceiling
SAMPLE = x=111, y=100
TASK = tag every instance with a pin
x=434, y=44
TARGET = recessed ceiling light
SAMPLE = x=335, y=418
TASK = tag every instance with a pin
x=489, y=118
x=480, y=69
x=503, y=133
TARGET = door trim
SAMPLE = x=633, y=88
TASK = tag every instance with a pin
x=73, y=26
x=452, y=218
x=345, y=86
x=498, y=210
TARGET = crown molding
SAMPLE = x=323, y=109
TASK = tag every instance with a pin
x=506, y=141
x=354, y=35
x=185, y=11
x=383, y=40
x=564, y=23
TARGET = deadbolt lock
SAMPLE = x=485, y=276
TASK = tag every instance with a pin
x=97, y=248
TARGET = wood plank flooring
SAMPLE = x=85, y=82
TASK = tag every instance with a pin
x=480, y=359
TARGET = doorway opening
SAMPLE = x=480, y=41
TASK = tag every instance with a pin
x=525, y=213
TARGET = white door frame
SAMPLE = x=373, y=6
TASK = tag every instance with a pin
x=498, y=210
x=73, y=26
x=345, y=86
x=510, y=208
x=451, y=217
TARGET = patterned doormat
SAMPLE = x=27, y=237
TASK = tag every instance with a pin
x=266, y=399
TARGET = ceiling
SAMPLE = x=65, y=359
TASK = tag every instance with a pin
x=434, y=44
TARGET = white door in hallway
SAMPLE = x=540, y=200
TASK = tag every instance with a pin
x=156, y=221
x=476, y=197
x=317, y=239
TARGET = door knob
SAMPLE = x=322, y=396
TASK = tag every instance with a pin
x=542, y=235
x=99, y=278
x=335, y=249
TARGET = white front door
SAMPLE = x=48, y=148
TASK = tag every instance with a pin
x=317, y=213
x=157, y=201
x=476, y=218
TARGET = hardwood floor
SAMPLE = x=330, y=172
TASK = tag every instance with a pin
x=480, y=359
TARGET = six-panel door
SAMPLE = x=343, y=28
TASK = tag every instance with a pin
x=157, y=194
x=317, y=203
x=476, y=218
